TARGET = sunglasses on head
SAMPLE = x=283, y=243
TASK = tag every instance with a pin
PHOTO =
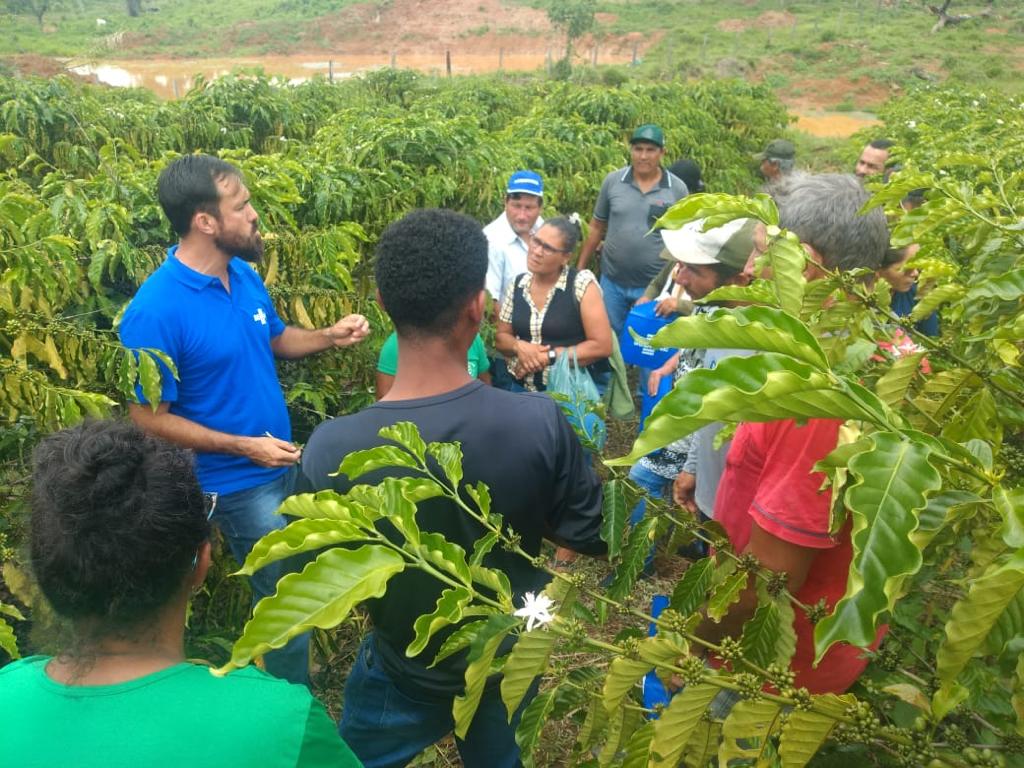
x=209, y=504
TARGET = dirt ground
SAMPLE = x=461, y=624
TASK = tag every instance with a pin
x=476, y=28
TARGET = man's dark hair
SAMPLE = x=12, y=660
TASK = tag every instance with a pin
x=189, y=185
x=824, y=212
x=117, y=517
x=522, y=195
x=724, y=272
x=429, y=263
x=881, y=143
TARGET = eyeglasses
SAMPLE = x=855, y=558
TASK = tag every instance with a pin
x=546, y=248
x=209, y=504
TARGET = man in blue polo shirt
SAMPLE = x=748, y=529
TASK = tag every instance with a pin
x=206, y=308
x=630, y=201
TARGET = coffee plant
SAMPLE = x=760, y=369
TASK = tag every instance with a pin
x=329, y=167
x=928, y=475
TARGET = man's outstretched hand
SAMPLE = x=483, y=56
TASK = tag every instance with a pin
x=348, y=331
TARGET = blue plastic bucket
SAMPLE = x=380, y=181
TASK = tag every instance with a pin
x=645, y=323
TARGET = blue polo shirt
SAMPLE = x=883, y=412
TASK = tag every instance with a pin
x=220, y=343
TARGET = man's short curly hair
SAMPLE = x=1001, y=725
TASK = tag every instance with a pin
x=429, y=263
x=117, y=517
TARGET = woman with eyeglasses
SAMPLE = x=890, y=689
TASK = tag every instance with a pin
x=119, y=541
x=553, y=309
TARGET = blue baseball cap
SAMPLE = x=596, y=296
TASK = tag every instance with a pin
x=525, y=183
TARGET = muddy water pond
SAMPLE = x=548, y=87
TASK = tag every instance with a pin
x=172, y=78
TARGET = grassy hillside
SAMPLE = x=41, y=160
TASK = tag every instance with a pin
x=839, y=55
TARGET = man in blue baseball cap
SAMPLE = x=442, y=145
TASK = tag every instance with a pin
x=630, y=201
x=508, y=235
x=508, y=239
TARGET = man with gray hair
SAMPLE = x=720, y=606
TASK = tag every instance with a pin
x=769, y=499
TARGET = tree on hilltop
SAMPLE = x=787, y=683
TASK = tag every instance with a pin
x=574, y=18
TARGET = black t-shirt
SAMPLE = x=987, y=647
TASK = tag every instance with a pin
x=540, y=479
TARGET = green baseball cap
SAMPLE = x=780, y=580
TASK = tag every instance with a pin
x=777, y=149
x=648, y=132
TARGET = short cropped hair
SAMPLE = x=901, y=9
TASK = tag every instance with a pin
x=117, y=518
x=824, y=212
x=523, y=196
x=881, y=143
x=189, y=185
x=429, y=264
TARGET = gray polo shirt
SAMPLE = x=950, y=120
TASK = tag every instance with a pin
x=630, y=255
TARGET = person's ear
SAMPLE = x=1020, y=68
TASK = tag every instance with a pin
x=814, y=268
x=380, y=299
x=742, y=278
x=204, y=222
x=475, y=308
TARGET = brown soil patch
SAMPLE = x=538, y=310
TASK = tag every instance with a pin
x=32, y=65
x=819, y=93
x=419, y=26
x=766, y=19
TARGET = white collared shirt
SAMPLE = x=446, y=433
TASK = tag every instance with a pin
x=506, y=256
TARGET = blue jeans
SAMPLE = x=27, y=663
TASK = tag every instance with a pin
x=244, y=517
x=653, y=483
x=618, y=300
x=387, y=727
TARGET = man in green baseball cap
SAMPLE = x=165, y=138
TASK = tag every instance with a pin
x=650, y=133
x=777, y=159
x=630, y=201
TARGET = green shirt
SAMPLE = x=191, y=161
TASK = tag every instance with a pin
x=178, y=717
x=476, y=358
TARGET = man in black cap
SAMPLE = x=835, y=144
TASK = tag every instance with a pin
x=776, y=160
x=630, y=201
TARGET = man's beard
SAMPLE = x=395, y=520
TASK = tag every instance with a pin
x=246, y=248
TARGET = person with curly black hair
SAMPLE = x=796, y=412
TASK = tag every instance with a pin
x=119, y=540
x=430, y=277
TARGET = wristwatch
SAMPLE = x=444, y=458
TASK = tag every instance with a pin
x=552, y=356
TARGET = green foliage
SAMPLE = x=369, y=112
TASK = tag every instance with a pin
x=925, y=483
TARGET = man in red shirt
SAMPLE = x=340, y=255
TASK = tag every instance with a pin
x=769, y=499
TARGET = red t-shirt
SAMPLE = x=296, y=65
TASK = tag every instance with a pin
x=768, y=480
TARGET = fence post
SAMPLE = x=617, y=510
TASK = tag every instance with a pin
x=330, y=70
x=593, y=56
x=394, y=56
x=635, y=45
x=448, y=62
x=501, y=59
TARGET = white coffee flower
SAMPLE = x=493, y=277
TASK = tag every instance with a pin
x=536, y=610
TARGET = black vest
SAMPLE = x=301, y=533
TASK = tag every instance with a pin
x=562, y=325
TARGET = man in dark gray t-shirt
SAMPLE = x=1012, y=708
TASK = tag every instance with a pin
x=430, y=272
x=630, y=201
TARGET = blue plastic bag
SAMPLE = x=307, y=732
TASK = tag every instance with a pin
x=575, y=391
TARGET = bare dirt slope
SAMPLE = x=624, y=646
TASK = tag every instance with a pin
x=473, y=27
